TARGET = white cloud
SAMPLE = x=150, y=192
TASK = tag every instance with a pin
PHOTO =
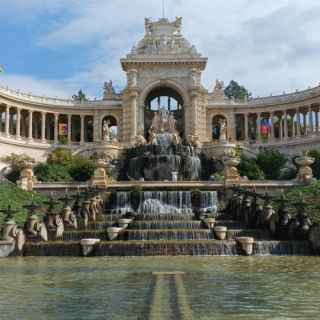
x=41, y=87
x=269, y=46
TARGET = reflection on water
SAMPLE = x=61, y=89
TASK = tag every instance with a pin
x=107, y=288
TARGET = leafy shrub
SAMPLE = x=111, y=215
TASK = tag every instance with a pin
x=81, y=169
x=311, y=195
x=248, y=167
x=52, y=173
x=316, y=166
x=60, y=156
x=271, y=162
x=10, y=194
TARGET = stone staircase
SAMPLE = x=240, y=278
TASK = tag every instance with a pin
x=174, y=234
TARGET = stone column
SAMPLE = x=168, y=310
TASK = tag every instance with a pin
x=272, y=135
x=97, y=127
x=285, y=125
x=30, y=124
x=317, y=120
x=69, y=129
x=18, y=132
x=246, y=127
x=134, y=104
x=258, y=127
x=56, y=128
x=305, y=128
x=311, y=126
x=298, y=123
x=7, y=124
x=82, y=129
x=43, y=127
x=281, y=119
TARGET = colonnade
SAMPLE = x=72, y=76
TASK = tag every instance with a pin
x=46, y=127
x=277, y=125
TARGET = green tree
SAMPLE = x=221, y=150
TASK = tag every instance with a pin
x=236, y=91
x=80, y=97
x=248, y=167
x=271, y=162
x=316, y=166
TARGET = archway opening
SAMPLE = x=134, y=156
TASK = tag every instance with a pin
x=168, y=99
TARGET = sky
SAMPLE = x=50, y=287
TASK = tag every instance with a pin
x=56, y=47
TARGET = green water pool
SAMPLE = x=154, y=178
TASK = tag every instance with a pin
x=126, y=288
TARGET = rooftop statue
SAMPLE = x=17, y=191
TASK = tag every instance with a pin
x=164, y=37
x=109, y=91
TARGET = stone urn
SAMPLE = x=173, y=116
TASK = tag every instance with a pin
x=123, y=223
x=99, y=178
x=27, y=177
x=88, y=245
x=209, y=222
x=230, y=168
x=246, y=245
x=305, y=174
x=113, y=232
x=220, y=232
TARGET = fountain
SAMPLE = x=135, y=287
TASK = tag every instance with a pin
x=165, y=157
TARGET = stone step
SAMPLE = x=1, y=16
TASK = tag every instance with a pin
x=231, y=224
x=84, y=234
x=257, y=234
x=167, y=248
x=152, y=225
x=166, y=235
x=165, y=217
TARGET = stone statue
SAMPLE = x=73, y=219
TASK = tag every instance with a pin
x=172, y=123
x=107, y=132
x=100, y=205
x=219, y=85
x=109, y=91
x=162, y=121
x=85, y=213
x=35, y=229
x=140, y=139
x=93, y=210
x=59, y=227
x=152, y=136
x=223, y=130
x=194, y=141
x=148, y=25
x=69, y=218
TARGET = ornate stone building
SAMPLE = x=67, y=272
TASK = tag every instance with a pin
x=163, y=71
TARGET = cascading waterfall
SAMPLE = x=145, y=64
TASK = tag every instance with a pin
x=209, y=202
x=123, y=203
x=165, y=203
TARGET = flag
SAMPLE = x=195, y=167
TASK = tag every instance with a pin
x=1, y=69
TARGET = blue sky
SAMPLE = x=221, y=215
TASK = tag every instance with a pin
x=55, y=47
